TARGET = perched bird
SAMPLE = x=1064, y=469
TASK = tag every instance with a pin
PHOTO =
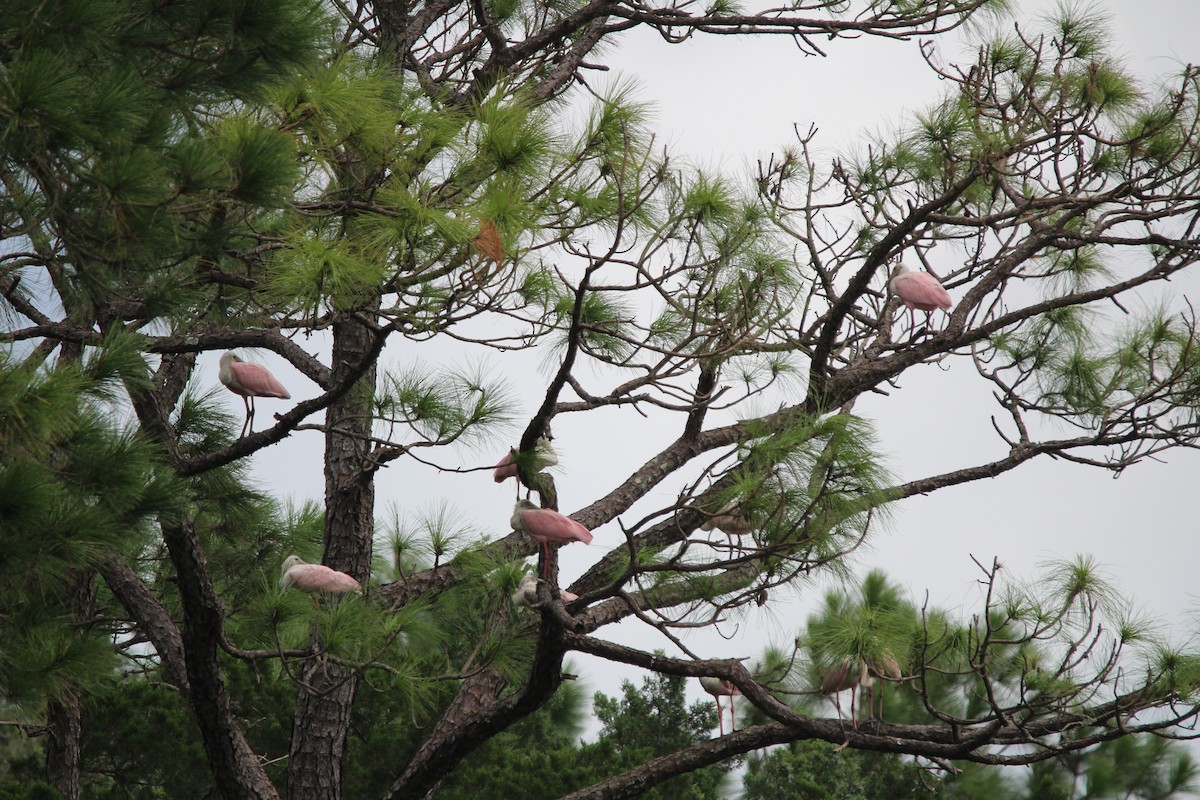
x=842, y=676
x=852, y=673
x=507, y=468
x=918, y=290
x=548, y=527
x=543, y=456
x=728, y=520
x=316, y=578
x=526, y=594
x=249, y=381
x=884, y=667
x=718, y=688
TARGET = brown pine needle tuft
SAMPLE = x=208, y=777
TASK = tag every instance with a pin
x=487, y=241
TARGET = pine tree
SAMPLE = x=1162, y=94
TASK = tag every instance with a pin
x=350, y=193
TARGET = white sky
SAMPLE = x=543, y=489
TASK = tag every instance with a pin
x=730, y=101
x=724, y=102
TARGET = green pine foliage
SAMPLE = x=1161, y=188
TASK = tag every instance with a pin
x=818, y=770
x=1032, y=633
x=813, y=487
x=73, y=487
x=445, y=406
x=180, y=178
x=140, y=743
x=652, y=721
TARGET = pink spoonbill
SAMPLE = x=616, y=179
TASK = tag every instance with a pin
x=249, y=381
x=718, y=688
x=842, y=676
x=852, y=673
x=543, y=456
x=316, y=578
x=885, y=667
x=548, y=527
x=507, y=468
x=729, y=520
x=526, y=594
x=728, y=524
x=918, y=291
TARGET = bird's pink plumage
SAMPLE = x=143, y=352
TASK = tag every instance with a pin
x=320, y=578
x=505, y=469
x=552, y=527
x=921, y=291
x=255, y=380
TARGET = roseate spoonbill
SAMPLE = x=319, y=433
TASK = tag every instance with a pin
x=526, y=594
x=315, y=578
x=884, y=667
x=728, y=524
x=842, y=676
x=507, y=468
x=918, y=290
x=718, y=688
x=728, y=520
x=249, y=381
x=548, y=527
x=851, y=673
x=543, y=456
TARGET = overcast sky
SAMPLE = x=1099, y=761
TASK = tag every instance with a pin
x=724, y=102
x=729, y=103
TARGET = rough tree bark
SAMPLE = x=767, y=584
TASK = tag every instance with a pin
x=64, y=729
x=326, y=694
x=236, y=770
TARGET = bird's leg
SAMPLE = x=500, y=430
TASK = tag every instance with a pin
x=928, y=323
x=837, y=703
x=853, y=708
x=732, y=714
x=249, y=416
x=720, y=717
x=874, y=720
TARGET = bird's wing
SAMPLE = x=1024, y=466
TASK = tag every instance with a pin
x=543, y=523
x=923, y=288
x=257, y=380
x=308, y=577
x=838, y=678
x=580, y=532
x=320, y=578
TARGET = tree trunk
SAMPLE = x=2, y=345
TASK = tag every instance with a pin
x=152, y=619
x=478, y=712
x=326, y=695
x=64, y=716
x=64, y=728
x=190, y=654
x=235, y=768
